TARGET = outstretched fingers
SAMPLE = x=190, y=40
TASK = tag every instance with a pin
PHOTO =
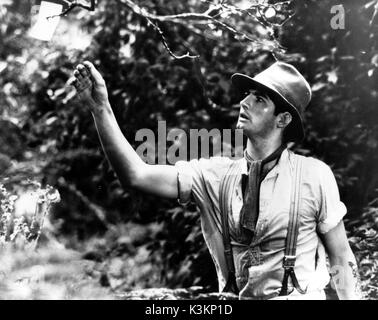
x=82, y=80
x=90, y=86
x=96, y=76
x=84, y=72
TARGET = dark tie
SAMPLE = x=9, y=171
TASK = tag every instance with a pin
x=258, y=169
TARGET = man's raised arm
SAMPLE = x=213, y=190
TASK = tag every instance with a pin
x=131, y=170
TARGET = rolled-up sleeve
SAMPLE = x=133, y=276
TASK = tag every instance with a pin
x=331, y=208
x=184, y=181
x=200, y=179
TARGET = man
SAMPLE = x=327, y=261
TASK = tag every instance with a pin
x=254, y=200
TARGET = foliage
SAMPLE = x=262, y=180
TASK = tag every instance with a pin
x=51, y=273
x=342, y=66
x=363, y=236
x=18, y=229
x=123, y=257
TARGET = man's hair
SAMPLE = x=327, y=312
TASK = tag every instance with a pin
x=280, y=107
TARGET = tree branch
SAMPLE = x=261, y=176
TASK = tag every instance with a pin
x=214, y=15
x=375, y=14
x=211, y=16
x=163, y=40
x=73, y=4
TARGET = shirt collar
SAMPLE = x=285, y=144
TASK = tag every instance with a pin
x=284, y=159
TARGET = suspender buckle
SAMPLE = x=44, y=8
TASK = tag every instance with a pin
x=289, y=262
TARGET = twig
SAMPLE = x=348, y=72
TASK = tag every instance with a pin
x=72, y=5
x=374, y=14
x=46, y=211
x=209, y=16
x=163, y=40
x=204, y=17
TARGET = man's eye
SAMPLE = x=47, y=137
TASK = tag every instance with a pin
x=259, y=99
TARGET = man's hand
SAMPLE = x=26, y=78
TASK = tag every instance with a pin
x=90, y=86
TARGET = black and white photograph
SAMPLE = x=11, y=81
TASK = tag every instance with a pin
x=201, y=150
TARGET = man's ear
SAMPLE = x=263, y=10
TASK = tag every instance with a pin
x=284, y=119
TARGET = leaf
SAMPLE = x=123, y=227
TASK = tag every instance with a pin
x=50, y=121
x=332, y=76
x=6, y=3
x=374, y=60
x=318, y=86
x=3, y=66
x=369, y=4
x=372, y=143
x=322, y=58
x=370, y=233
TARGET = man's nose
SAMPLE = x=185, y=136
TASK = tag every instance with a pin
x=244, y=102
x=244, y=105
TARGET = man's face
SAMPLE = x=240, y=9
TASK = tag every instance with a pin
x=256, y=116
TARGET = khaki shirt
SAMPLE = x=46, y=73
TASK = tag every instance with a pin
x=259, y=271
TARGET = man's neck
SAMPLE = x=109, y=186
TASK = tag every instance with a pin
x=260, y=149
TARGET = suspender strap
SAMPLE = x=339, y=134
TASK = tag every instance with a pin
x=227, y=184
x=293, y=229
